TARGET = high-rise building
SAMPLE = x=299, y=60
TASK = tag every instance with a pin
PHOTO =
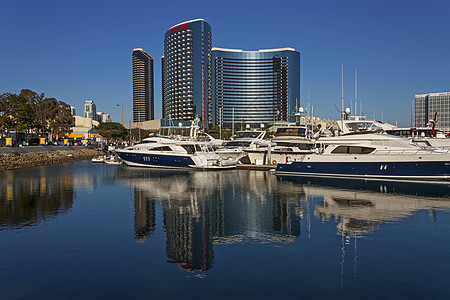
x=255, y=86
x=103, y=118
x=143, y=86
x=90, y=110
x=186, y=71
x=427, y=105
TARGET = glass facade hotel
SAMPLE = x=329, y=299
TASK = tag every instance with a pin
x=254, y=86
x=186, y=70
x=427, y=105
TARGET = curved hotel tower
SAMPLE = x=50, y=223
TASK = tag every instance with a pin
x=143, y=86
x=255, y=86
x=186, y=70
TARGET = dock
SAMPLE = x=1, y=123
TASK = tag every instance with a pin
x=256, y=167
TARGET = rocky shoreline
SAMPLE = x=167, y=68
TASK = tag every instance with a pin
x=16, y=160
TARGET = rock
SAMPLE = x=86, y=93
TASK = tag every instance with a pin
x=9, y=162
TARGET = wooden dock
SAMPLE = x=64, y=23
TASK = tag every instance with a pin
x=256, y=167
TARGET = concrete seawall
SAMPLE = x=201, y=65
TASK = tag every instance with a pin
x=23, y=157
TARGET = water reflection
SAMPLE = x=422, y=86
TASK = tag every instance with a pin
x=203, y=209
x=361, y=207
x=32, y=195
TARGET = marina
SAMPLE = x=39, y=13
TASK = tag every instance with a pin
x=92, y=230
x=188, y=155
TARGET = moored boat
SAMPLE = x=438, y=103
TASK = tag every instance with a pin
x=98, y=159
x=370, y=156
x=290, y=142
x=163, y=152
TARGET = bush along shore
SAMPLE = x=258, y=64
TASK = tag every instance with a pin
x=17, y=160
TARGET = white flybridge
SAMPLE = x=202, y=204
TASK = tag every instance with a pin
x=241, y=142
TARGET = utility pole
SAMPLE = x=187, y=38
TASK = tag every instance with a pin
x=122, y=105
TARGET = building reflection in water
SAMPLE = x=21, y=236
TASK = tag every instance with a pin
x=203, y=209
x=144, y=217
x=30, y=196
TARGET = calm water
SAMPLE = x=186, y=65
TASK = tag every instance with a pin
x=84, y=231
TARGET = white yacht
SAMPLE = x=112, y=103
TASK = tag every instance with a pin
x=370, y=156
x=290, y=142
x=242, y=141
x=163, y=152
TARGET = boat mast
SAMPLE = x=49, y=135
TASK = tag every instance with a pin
x=342, y=90
x=356, y=91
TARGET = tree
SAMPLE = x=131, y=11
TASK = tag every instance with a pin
x=112, y=130
x=63, y=119
x=46, y=110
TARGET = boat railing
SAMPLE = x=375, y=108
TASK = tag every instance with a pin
x=410, y=152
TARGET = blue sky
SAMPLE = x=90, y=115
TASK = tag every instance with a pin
x=81, y=50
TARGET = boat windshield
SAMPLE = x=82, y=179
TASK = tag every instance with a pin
x=289, y=131
x=363, y=126
x=247, y=134
x=147, y=142
x=237, y=144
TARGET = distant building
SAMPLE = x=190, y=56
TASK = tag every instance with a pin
x=427, y=105
x=72, y=111
x=103, y=118
x=85, y=122
x=90, y=110
x=255, y=86
x=143, y=86
x=186, y=71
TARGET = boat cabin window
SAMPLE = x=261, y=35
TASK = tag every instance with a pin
x=291, y=132
x=301, y=146
x=147, y=142
x=190, y=149
x=352, y=150
x=422, y=143
x=161, y=148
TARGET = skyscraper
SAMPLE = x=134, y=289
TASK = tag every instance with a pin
x=427, y=105
x=255, y=86
x=90, y=110
x=143, y=86
x=186, y=70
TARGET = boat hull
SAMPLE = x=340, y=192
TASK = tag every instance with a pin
x=155, y=160
x=403, y=170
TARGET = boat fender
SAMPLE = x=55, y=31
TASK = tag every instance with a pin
x=274, y=162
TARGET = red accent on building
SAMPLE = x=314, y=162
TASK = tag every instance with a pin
x=182, y=26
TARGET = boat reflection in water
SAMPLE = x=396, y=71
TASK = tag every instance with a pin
x=30, y=196
x=203, y=209
x=360, y=208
